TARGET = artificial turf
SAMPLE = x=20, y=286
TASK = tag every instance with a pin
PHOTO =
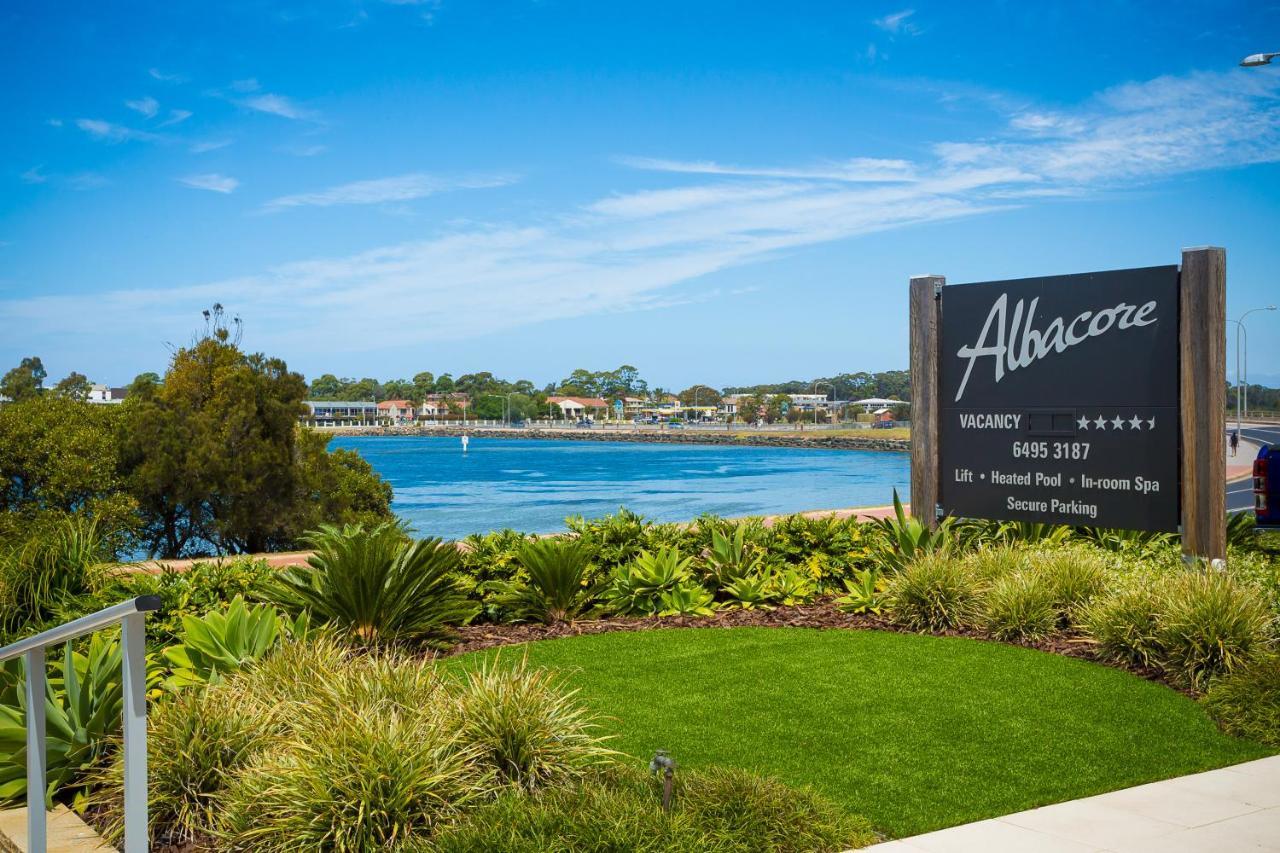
x=914, y=732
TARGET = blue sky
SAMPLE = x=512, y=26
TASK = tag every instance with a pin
x=714, y=192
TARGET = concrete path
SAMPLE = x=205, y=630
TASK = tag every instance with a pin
x=1232, y=809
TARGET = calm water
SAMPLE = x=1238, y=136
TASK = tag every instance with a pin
x=532, y=485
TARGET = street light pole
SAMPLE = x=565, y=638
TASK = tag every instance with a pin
x=1242, y=345
x=815, y=402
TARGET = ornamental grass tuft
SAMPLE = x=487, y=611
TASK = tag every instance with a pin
x=1020, y=606
x=1246, y=702
x=934, y=592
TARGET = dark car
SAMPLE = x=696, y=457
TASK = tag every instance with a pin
x=584, y=424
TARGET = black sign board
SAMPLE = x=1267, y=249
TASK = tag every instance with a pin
x=1059, y=399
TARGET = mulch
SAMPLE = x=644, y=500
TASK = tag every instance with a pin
x=820, y=615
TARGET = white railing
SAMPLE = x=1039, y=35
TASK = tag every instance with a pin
x=133, y=665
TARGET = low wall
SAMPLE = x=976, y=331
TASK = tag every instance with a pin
x=816, y=441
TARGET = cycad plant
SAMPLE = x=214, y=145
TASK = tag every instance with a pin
x=559, y=587
x=378, y=585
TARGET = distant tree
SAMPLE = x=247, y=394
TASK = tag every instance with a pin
x=24, y=381
x=444, y=384
x=75, y=385
x=398, y=389
x=143, y=384
x=751, y=407
x=326, y=387
x=700, y=395
x=778, y=407
x=423, y=384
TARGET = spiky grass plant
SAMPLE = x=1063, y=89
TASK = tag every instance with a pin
x=1020, y=606
x=525, y=727
x=1209, y=626
x=934, y=592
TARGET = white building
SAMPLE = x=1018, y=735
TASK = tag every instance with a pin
x=103, y=395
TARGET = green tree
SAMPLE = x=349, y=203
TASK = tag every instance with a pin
x=60, y=457
x=700, y=395
x=326, y=387
x=750, y=408
x=214, y=454
x=424, y=383
x=398, y=389
x=143, y=384
x=444, y=384
x=24, y=381
x=775, y=408
x=75, y=385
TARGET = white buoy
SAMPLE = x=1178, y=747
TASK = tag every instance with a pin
x=465, y=441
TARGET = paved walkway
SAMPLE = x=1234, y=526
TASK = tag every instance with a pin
x=1233, y=809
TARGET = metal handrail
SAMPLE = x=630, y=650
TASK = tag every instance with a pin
x=133, y=667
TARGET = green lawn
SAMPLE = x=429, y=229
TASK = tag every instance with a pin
x=914, y=732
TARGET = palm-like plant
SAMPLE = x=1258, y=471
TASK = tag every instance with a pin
x=379, y=585
x=558, y=589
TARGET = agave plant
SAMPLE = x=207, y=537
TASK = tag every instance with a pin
x=865, y=593
x=558, y=589
x=638, y=587
x=84, y=705
x=731, y=557
x=223, y=642
x=378, y=585
x=687, y=599
x=754, y=591
x=792, y=586
x=905, y=538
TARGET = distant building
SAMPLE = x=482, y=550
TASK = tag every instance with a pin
x=437, y=405
x=397, y=411
x=103, y=395
x=580, y=407
x=870, y=404
x=342, y=412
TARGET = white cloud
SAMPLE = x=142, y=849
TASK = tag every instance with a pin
x=631, y=250
x=305, y=150
x=212, y=182
x=898, y=22
x=279, y=105
x=53, y=122
x=109, y=132
x=857, y=169
x=208, y=145
x=176, y=117
x=157, y=74
x=380, y=190
x=148, y=106
x=34, y=175
x=248, y=85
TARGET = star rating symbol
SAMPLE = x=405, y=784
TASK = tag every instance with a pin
x=1135, y=422
x=1083, y=423
x=1118, y=423
x=1102, y=424
x=1151, y=424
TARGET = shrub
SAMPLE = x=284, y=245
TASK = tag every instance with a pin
x=865, y=593
x=524, y=727
x=731, y=557
x=934, y=592
x=791, y=586
x=378, y=586
x=753, y=591
x=1076, y=576
x=1246, y=702
x=195, y=742
x=42, y=575
x=1210, y=625
x=1020, y=606
x=991, y=563
x=638, y=587
x=350, y=778
x=557, y=589
x=1124, y=622
x=619, y=809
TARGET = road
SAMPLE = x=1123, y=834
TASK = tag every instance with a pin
x=1240, y=493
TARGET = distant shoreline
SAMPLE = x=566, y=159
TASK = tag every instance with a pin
x=729, y=438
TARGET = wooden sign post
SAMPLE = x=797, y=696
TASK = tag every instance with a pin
x=926, y=301
x=1202, y=344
